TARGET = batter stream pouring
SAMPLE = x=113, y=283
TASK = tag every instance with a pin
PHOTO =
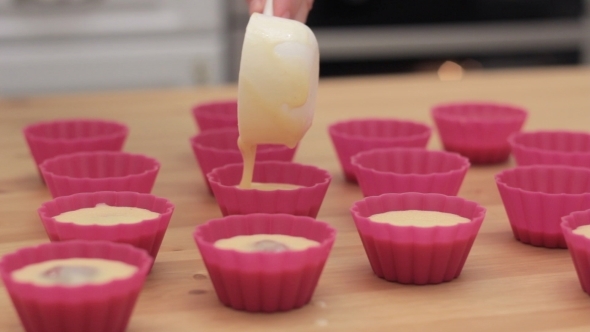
x=277, y=85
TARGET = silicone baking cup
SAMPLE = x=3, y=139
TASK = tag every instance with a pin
x=264, y=281
x=417, y=255
x=216, y=114
x=353, y=136
x=537, y=197
x=305, y=201
x=478, y=131
x=89, y=308
x=399, y=170
x=53, y=138
x=219, y=147
x=551, y=147
x=99, y=171
x=578, y=245
x=147, y=234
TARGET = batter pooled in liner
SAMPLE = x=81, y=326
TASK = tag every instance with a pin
x=73, y=272
x=418, y=218
x=266, y=243
x=103, y=214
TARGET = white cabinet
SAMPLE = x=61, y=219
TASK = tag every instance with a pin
x=51, y=46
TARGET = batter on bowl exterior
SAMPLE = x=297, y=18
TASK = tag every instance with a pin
x=73, y=272
x=277, y=85
x=103, y=214
x=266, y=243
x=418, y=218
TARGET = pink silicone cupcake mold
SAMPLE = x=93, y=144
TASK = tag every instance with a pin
x=219, y=147
x=99, y=171
x=264, y=281
x=216, y=114
x=578, y=245
x=353, y=136
x=417, y=255
x=398, y=170
x=49, y=139
x=551, y=147
x=147, y=234
x=537, y=197
x=90, y=308
x=304, y=201
x=478, y=131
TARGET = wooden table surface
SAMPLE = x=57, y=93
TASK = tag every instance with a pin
x=505, y=285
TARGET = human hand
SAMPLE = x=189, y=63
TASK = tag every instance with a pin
x=293, y=9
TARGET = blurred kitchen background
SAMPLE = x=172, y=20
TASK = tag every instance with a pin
x=55, y=46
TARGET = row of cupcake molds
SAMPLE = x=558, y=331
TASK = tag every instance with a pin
x=488, y=132
x=535, y=197
x=396, y=253
x=263, y=281
x=81, y=162
x=386, y=170
x=484, y=132
x=439, y=172
x=271, y=282
x=379, y=249
x=84, y=155
x=49, y=139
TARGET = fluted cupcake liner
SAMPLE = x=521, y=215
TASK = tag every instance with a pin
x=551, y=147
x=537, y=197
x=90, y=308
x=216, y=114
x=219, y=147
x=478, y=130
x=417, y=255
x=52, y=138
x=305, y=200
x=578, y=245
x=398, y=170
x=263, y=281
x=147, y=234
x=353, y=136
x=99, y=171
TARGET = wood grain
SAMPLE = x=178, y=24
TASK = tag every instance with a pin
x=505, y=285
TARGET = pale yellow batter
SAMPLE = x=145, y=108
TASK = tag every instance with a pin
x=418, y=218
x=277, y=85
x=266, y=243
x=103, y=214
x=583, y=230
x=273, y=186
x=73, y=272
